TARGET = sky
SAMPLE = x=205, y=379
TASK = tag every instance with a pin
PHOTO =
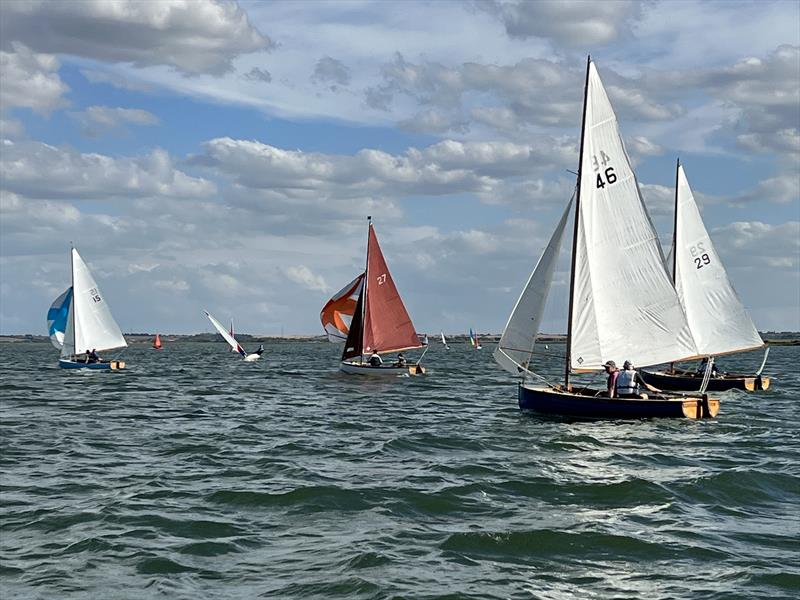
x=224, y=156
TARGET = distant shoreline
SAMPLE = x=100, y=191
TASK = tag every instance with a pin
x=783, y=338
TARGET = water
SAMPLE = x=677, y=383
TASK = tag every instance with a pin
x=195, y=475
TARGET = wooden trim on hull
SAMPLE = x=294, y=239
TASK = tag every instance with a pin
x=112, y=365
x=548, y=401
x=691, y=383
x=385, y=371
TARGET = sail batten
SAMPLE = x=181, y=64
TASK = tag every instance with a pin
x=719, y=322
x=624, y=306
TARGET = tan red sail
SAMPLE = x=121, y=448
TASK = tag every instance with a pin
x=337, y=314
x=387, y=326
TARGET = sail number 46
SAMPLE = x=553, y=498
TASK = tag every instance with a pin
x=610, y=176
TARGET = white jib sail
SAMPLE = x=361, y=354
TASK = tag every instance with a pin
x=624, y=304
x=224, y=333
x=719, y=322
x=90, y=325
x=515, y=347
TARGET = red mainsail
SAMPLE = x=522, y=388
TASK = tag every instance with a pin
x=387, y=326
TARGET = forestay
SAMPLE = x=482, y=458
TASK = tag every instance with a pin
x=624, y=304
x=337, y=314
x=90, y=324
x=516, y=344
x=718, y=321
x=57, y=317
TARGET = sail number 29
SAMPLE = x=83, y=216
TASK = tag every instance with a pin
x=610, y=176
x=699, y=255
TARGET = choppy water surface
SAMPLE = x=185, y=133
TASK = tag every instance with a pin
x=195, y=475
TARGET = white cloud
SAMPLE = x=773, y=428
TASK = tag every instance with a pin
x=30, y=80
x=304, y=276
x=201, y=36
x=100, y=120
x=44, y=171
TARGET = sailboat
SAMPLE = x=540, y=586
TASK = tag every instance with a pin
x=622, y=305
x=444, y=342
x=718, y=320
x=157, y=342
x=380, y=322
x=80, y=321
x=236, y=346
x=231, y=332
x=473, y=340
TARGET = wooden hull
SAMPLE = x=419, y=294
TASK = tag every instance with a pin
x=689, y=382
x=354, y=368
x=548, y=401
x=112, y=365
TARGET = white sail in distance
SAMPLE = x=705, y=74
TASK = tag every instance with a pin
x=224, y=333
x=90, y=325
x=516, y=344
x=624, y=304
x=718, y=320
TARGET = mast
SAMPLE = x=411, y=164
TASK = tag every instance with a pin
x=74, y=304
x=575, y=230
x=675, y=227
x=364, y=291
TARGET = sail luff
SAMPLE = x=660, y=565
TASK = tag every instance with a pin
x=225, y=335
x=570, y=310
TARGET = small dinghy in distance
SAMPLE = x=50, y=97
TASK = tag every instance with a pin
x=236, y=346
x=379, y=321
x=80, y=321
x=444, y=341
x=157, y=342
x=613, y=314
x=719, y=322
x=473, y=340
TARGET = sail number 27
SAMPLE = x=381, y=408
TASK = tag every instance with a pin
x=610, y=176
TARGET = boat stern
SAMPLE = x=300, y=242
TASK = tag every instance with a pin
x=700, y=408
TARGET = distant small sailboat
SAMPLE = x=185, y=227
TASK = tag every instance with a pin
x=253, y=356
x=379, y=321
x=423, y=338
x=80, y=322
x=473, y=340
x=444, y=342
x=231, y=332
x=718, y=320
x=157, y=342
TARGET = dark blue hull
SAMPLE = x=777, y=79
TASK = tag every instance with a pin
x=548, y=401
x=112, y=365
x=684, y=381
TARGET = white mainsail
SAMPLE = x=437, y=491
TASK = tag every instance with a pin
x=90, y=325
x=718, y=320
x=444, y=340
x=224, y=333
x=516, y=344
x=624, y=304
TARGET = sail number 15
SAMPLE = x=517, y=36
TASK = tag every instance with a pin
x=610, y=176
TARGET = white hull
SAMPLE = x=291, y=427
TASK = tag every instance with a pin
x=354, y=368
x=251, y=357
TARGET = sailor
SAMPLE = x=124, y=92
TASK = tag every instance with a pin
x=401, y=360
x=93, y=356
x=260, y=350
x=629, y=382
x=375, y=360
x=701, y=368
x=611, y=368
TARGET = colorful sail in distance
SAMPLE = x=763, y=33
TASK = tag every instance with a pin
x=473, y=339
x=337, y=314
x=157, y=342
x=57, y=317
x=387, y=326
